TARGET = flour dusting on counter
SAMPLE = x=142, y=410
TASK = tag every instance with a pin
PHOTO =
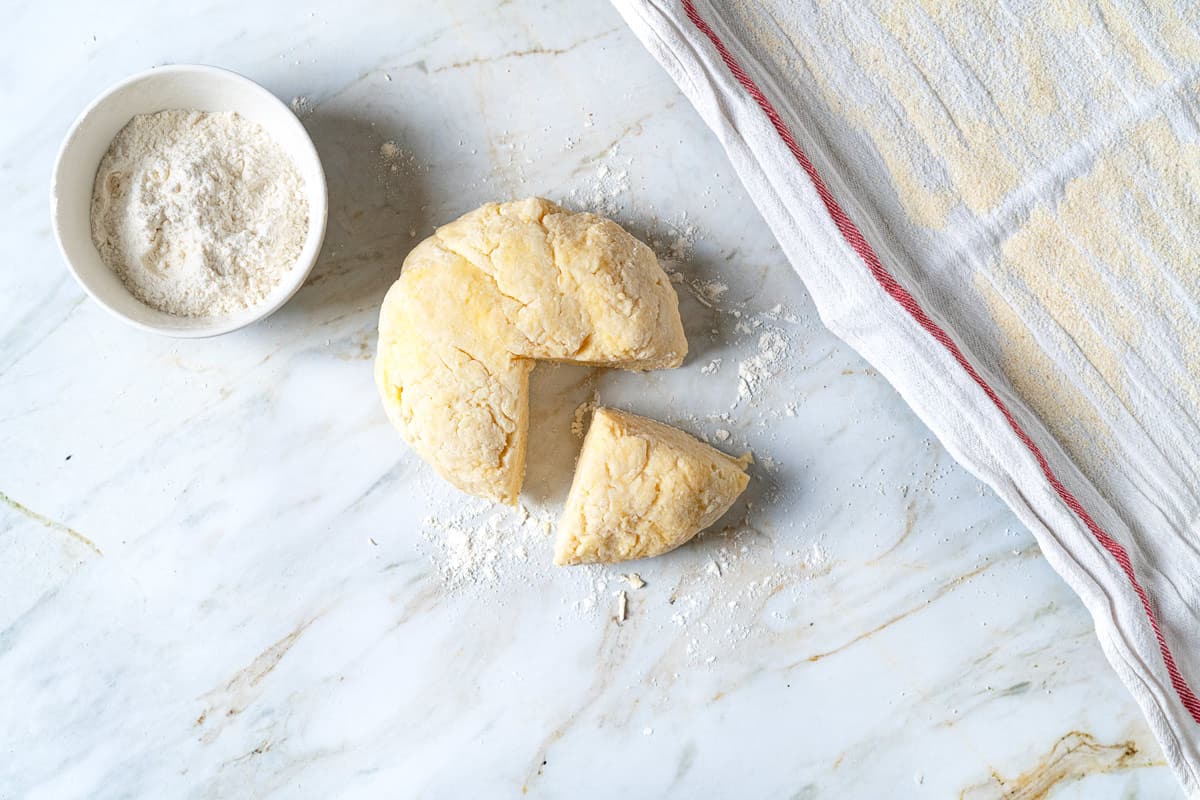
x=483, y=543
x=768, y=362
x=394, y=158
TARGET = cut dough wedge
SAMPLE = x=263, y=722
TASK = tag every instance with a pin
x=642, y=488
x=487, y=294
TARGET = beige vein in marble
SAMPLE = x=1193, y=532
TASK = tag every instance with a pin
x=50, y=523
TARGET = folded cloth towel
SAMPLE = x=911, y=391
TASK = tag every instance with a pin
x=999, y=207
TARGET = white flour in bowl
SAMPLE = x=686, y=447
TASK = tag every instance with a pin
x=199, y=213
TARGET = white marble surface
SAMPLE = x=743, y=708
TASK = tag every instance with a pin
x=261, y=606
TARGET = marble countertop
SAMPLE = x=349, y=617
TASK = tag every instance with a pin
x=223, y=575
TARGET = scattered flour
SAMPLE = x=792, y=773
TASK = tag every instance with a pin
x=395, y=159
x=764, y=365
x=485, y=547
x=816, y=559
x=677, y=241
x=609, y=183
x=737, y=583
x=709, y=293
x=482, y=543
x=713, y=605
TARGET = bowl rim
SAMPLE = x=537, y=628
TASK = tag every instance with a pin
x=318, y=218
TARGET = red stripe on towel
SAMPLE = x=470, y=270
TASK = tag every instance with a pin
x=856, y=240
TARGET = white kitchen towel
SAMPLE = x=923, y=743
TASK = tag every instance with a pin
x=998, y=205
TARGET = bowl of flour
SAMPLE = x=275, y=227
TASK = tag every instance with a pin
x=189, y=201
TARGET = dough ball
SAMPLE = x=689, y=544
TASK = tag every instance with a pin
x=486, y=295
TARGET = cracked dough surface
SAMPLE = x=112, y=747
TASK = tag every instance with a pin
x=642, y=488
x=486, y=295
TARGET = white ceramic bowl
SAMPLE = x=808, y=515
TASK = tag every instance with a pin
x=181, y=86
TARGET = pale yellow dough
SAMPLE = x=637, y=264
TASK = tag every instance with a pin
x=487, y=294
x=642, y=488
